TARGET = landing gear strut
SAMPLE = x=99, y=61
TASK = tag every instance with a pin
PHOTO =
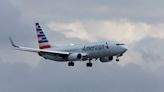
x=71, y=63
x=89, y=64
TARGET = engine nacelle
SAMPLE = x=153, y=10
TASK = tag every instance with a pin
x=74, y=57
x=106, y=59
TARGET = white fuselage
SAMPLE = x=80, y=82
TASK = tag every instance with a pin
x=90, y=51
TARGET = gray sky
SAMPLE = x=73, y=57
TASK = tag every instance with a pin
x=139, y=24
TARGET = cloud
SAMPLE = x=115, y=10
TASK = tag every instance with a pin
x=72, y=10
x=123, y=30
x=151, y=49
x=71, y=30
x=150, y=52
x=11, y=26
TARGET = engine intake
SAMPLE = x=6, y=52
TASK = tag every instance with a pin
x=74, y=57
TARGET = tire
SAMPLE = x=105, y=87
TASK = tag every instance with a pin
x=117, y=60
x=71, y=64
x=89, y=64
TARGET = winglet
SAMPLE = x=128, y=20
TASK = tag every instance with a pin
x=12, y=43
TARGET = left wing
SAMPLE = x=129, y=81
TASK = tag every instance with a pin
x=36, y=50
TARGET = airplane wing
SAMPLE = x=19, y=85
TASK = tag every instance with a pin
x=35, y=50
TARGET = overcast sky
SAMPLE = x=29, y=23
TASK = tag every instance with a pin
x=138, y=23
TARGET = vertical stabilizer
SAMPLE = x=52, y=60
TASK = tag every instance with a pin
x=42, y=40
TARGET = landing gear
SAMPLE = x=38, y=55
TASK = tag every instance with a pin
x=71, y=63
x=89, y=64
x=117, y=60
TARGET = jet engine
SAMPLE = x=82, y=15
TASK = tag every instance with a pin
x=106, y=59
x=74, y=57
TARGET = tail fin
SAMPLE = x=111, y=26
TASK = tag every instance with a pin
x=42, y=40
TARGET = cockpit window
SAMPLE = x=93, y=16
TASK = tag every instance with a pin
x=119, y=44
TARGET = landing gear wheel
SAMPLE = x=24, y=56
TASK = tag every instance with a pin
x=71, y=64
x=117, y=60
x=89, y=64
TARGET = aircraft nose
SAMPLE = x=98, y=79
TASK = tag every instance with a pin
x=125, y=48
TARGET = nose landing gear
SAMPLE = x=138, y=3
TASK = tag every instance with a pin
x=117, y=59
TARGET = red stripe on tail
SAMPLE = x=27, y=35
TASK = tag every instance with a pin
x=44, y=47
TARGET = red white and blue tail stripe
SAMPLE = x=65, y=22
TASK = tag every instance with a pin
x=42, y=40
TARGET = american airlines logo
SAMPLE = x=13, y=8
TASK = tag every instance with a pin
x=96, y=47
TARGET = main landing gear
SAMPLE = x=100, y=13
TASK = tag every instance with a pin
x=89, y=64
x=71, y=63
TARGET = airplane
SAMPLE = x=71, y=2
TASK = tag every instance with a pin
x=104, y=51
